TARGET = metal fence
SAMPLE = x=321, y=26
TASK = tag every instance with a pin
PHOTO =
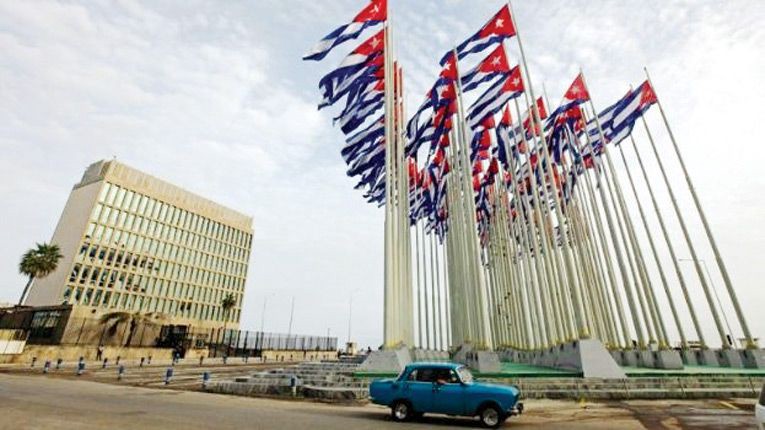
x=251, y=343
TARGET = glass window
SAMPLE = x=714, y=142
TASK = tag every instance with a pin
x=113, y=217
x=120, y=197
x=104, y=192
x=96, y=212
x=121, y=219
x=105, y=215
x=135, y=202
x=112, y=195
x=126, y=201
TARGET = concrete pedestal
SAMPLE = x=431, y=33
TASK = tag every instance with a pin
x=480, y=361
x=706, y=357
x=645, y=358
x=386, y=360
x=688, y=357
x=753, y=358
x=630, y=358
x=729, y=358
x=667, y=359
x=588, y=356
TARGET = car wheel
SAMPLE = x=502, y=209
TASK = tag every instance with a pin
x=491, y=416
x=401, y=411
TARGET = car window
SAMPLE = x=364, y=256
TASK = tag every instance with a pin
x=465, y=375
x=412, y=375
x=762, y=396
x=447, y=376
x=426, y=375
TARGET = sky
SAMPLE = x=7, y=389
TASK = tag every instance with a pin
x=213, y=96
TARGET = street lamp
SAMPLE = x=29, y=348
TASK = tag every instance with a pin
x=350, y=314
x=714, y=290
x=263, y=314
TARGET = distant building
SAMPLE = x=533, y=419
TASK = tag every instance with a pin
x=134, y=243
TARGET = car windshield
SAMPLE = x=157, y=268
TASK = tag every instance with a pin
x=465, y=375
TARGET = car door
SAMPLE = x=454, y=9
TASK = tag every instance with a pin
x=419, y=388
x=448, y=393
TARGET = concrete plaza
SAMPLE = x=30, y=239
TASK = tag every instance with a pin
x=36, y=401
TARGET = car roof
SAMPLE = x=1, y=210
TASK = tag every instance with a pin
x=437, y=364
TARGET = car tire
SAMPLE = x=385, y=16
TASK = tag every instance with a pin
x=491, y=416
x=401, y=411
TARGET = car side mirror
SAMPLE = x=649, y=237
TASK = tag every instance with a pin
x=438, y=382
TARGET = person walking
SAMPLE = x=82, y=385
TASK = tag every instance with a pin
x=99, y=352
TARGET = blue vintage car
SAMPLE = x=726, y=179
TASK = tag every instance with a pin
x=445, y=388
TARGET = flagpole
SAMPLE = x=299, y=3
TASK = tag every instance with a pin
x=671, y=249
x=656, y=258
x=615, y=242
x=580, y=317
x=480, y=303
x=750, y=343
x=388, y=272
x=691, y=248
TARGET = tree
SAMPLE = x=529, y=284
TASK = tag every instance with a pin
x=131, y=318
x=227, y=304
x=38, y=263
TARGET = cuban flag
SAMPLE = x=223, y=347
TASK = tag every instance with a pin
x=492, y=66
x=363, y=140
x=364, y=60
x=633, y=107
x=495, y=98
x=575, y=95
x=499, y=28
x=374, y=13
x=441, y=94
x=336, y=85
x=365, y=95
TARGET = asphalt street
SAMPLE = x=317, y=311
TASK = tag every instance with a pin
x=41, y=402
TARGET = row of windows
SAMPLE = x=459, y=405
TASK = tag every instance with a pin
x=125, y=221
x=118, y=197
x=122, y=280
x=149, y=250
x=135, y=302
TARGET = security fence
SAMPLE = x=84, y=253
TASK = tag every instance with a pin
x=243, y=343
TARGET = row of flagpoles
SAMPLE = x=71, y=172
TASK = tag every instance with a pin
x=523, y=235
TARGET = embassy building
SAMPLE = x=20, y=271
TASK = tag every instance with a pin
x=134, y=243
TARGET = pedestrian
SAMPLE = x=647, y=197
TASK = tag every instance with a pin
x=99, y=352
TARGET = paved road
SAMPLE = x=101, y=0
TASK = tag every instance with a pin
x=39, y=402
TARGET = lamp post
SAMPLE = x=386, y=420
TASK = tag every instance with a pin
x=350, y=314
x=717, y=297
x=263, y=314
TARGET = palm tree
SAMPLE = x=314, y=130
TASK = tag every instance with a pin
x=38, y=263
x=227, y=304
x=132, y=318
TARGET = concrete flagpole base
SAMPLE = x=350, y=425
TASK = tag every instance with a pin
x=753, y=358
x=478, y=360
x=387, y=360
x=587, y=356
x=729, y=358
x=706, y=357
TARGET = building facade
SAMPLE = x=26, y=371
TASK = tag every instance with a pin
x=134, y=243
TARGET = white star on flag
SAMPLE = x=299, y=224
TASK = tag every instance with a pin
x=499, y=23
x=495, y=61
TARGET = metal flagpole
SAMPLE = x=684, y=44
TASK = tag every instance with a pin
x=672, y=254
x=656, y=258
x=480, y=303
x=750, y=343
x=579, y=314
x=615, y=241
x=691, y=248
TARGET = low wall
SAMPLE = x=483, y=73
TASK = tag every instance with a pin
x=73, y=353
